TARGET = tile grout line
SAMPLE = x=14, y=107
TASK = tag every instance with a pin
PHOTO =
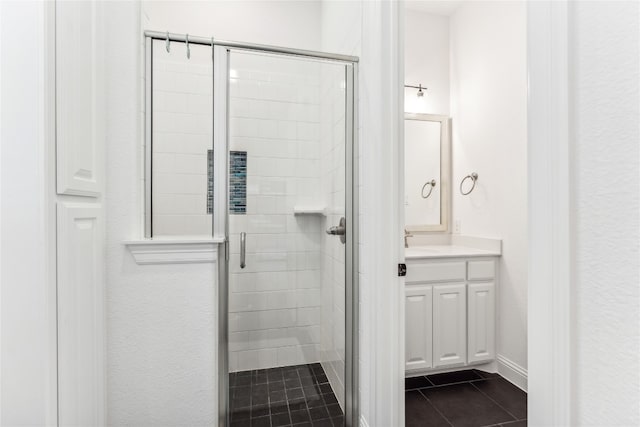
x=436, y=409
x=490, y=398
x=419, y=390
x=471, y=382
x=447, y=384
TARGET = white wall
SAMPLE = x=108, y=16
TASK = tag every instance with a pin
x=488, y=109
x=605, y=103
x=27, y=222
x=426, y=62
x=278, y=22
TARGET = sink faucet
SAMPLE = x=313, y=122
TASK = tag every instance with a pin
x=406, y=235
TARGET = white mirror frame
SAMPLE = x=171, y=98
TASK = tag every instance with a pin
x=445, y=172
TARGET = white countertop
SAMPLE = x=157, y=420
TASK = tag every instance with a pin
x=446, y=251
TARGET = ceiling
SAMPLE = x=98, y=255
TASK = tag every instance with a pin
x=438, y=7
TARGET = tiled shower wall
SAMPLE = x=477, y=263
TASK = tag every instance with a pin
x=182, y=135
x=275, y=301
x=332, y=160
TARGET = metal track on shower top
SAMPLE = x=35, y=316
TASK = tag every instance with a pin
x=210, y=41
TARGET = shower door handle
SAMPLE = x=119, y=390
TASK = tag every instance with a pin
x=243, y=249
x=339, y=230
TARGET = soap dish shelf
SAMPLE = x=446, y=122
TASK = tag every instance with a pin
x=303, y=210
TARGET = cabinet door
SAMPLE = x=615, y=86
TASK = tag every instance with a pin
x=481, y=326
x=449, y=325
x=418, y=327
x=81, y=326
x=79, y=133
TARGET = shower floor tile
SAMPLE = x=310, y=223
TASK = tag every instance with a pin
x=288, y=396
x=464, y=399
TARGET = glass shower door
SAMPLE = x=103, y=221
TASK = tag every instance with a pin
x=289, y=212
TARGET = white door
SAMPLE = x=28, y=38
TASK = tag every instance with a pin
x=418, y=327
x=481, y=322
x=449, y=325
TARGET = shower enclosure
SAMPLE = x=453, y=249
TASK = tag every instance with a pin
x=271, y=145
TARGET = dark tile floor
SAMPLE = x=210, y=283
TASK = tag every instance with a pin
x=291, y=396
x=469, y=398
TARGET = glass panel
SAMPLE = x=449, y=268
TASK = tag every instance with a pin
x=287, y=305
x=423, y=179
x=182, y=141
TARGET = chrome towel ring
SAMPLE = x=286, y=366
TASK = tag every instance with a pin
x=167, y=45
x=473, y=177
x=432, y=183
x=186, y=38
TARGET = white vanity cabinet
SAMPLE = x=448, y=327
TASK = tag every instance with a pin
x=449, y=312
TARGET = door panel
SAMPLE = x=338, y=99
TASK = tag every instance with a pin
x=80, y=315
x=78, y=135
x=449, y=325
x=418, y=301
x=481, y=325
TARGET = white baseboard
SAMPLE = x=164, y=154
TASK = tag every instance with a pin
x=513, y=372
x=363, y=421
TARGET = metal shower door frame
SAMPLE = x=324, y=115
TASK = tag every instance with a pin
x=221, y=139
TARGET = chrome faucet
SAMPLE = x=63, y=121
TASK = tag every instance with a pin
x=406, y=235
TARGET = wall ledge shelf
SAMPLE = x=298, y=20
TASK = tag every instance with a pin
x=304, y=210
x=174, y=251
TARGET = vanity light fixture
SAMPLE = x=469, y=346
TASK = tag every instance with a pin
x=420, y=88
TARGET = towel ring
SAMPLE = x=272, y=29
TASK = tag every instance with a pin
x=188, y=49
x=167, y=45
x=432, y=183
x=473, y=177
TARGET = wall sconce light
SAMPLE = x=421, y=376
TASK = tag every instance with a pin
x=420, y=88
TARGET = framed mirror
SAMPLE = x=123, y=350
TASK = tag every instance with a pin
x=427, y=171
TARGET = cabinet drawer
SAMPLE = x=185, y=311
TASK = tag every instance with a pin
x=481, y=270
x=435, y=272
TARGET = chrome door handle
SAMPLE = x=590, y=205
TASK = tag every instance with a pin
x=336, y=230
x=339, y=230
x=243, y=249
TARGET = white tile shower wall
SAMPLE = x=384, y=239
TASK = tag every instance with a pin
x=182, y=134
x=332, y=155
x=274, y=307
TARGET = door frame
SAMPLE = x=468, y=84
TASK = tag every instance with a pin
x=550, y=287
x=549, y=210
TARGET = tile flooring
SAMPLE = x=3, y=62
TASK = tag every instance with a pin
x=469, y=398
x=291, y=396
